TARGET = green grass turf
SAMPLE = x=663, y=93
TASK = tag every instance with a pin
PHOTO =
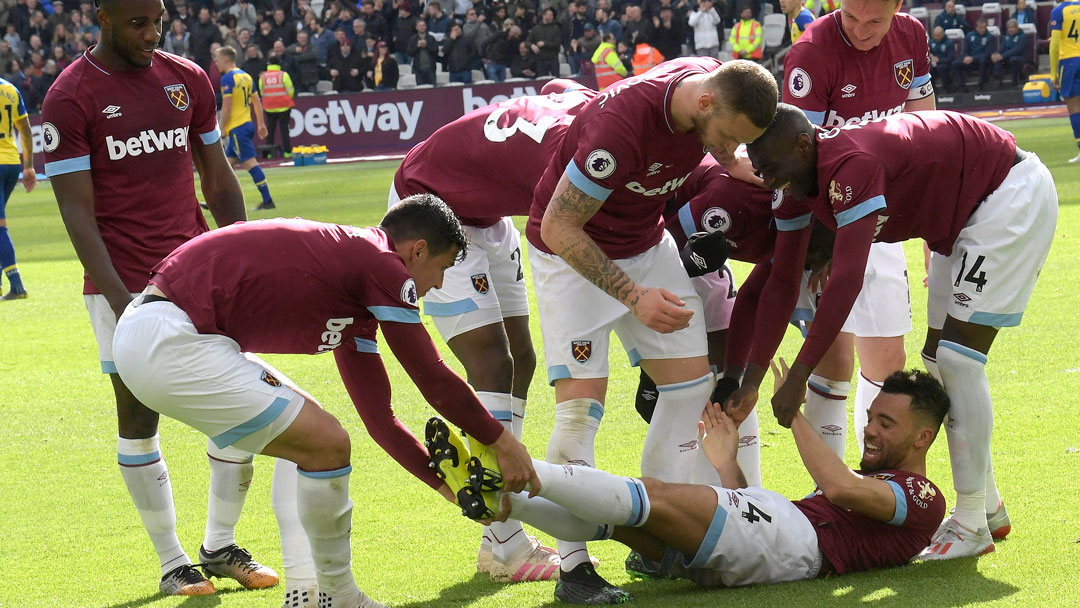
x=69, y=535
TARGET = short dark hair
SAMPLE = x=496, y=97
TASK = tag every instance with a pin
x=928, y=397
x=786, y=126
x=425, y=216
x=744, y=87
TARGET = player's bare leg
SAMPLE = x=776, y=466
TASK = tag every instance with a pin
x=878, y=357
x=320, y=447
x=961, y=360
x=827, y=392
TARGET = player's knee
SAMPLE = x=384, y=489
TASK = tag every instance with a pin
x=326, y=447
x=134, y=420
x=494, y=371
x=524, y=361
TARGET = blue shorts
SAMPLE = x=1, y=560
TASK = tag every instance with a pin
x=241, y=144
x=1069, y=77
x=9, y=176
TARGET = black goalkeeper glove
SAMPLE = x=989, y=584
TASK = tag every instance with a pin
x=705, y=252
x=724, y=389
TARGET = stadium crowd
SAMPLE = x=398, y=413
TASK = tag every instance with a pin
x=356, y=46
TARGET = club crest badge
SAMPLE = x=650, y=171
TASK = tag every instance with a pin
x=581, y=350
x=480, y=283
x=904, y=72
x=178, y=96
x=269, y=378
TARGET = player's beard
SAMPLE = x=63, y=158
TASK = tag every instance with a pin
x=889, y=457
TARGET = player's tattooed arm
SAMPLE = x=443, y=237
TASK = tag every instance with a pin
x=563, y=229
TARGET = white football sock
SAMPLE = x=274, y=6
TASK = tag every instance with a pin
x=571, y=442
x=865, y=393
x=671, y=445
x=593, y=495
x=325, y=510
x=930, y=365
x=517, y=407
x=556, y=520
x=147, y=479
x=507, y=538
x=993, y=497
x=231, y=471
x=295, y=546
x=749, y=455
x=826, y=410
x=970, y=426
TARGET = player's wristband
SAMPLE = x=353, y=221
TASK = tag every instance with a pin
x=704, y=252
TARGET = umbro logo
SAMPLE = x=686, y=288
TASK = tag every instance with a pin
x=688, y=446
x=831, y=429
x=112, y=112
x=962, y=299
x=848, y=91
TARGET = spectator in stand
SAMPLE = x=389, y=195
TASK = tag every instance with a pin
x=182, y=14
x=525, y=18
x=246, y=16
x=356, y=32
x=6, y=54
x=609, y=68
x=286, y=60
x=574, y=28
x=60, y=58
x=283, y=27
x=498, y=15
x=1014, y=53
x=20, y=18
x=437, y=21
x=321, y=38
x=375, y=21
x=942, y=55
x=63, y=37
x=40, y=27
x=460, y=6
x=35, y=48
x=514, y=38
x=483, y=11
x=607, y=24
x=14, y=74
x=497, y=52
x=39, y=85
x=383, y=75
x=253, y=63
x=705, y=21
x=424, y=51
x=948, y=19
x=276, y=90
x=524, y=63
x=747, y=36
x=14, y=40
x=335, y=47
x=458, y=55
x=306, y=72
x=668, y=33
x=347, y=69
x=59, y=16
x=404, y=29
x=545, y=40
x=204, y=34
x=977, y=45
x=229, y=35
x=582, y=49
x=635, y=28
x=1024, y=13
x=475, y=33
x=265, y=38
x=626, y=56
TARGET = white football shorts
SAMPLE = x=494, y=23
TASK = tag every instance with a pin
x=103, y=320
x=202, y=380
x=577, y=317
x=999, y=253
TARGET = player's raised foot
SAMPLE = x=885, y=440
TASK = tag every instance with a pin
x=447, y=454
x=1075, y=159
x=540, y=563
x=999, y=523
x=638, y=566
x=583, y=585
x=359, y=601
x=186, y=580
x=301, y=594
x=13, y=295
x=236, y=563
x=266, y=206
x=953, y=541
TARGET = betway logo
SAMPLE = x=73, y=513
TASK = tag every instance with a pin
x=331, y=338
x=671, y=186
x=147, y=142
x=339, y=117
x=475, y=102
x=835, y=120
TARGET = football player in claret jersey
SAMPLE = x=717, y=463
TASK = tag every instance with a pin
x=122, y=126
x=1065, y=60
x=238, y=99
x=601, y=262
x=986, y=208
x=12, y=116
x=860, y=62
x=727, y=534
x=482, y=308
x=302, y=287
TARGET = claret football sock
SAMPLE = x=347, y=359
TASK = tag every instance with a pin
x=231, y=471
x=147, y=479
x=826, y=410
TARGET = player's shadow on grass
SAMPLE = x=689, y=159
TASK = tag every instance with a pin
x=467, y=591
x=939, y=584
x=195, y=601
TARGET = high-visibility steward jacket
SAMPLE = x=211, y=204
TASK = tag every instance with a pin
x=645, y=58
x=276, y=88
x=746, y=39
x=827, y=6
x=609, y=68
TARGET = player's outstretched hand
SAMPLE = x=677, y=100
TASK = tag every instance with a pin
x=789, y=395
x=818, y=278
x=739, y=405
x=659, y=309
x=504, y=512
x=29, y=179
x=718, y=435
x=516, y=465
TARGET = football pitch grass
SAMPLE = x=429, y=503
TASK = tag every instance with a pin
x=70, y=537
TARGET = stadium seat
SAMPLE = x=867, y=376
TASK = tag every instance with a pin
x=404, y=68
x=776, y=29
x=407, y=81
x=324, y=87
x=425, y=86
x=515, y=80
x=454, y=84
x=477, y=75
x=565, y=70
x=1033, y=39
x=442, y=78
x=483, y=82
x=923, y=15
x=991, y=11
x=957, y=37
